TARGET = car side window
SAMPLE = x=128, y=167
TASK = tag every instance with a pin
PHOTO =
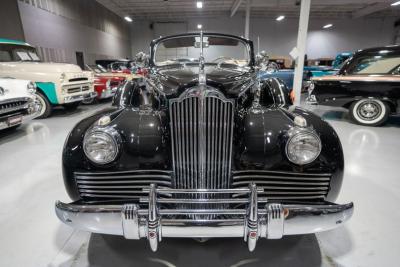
x=377, y=64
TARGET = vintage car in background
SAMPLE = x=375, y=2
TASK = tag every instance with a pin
x=287, y=75
x=203, y=149
x=116, y=65
x=105, y=83
x=18, y=103
x=367, y=85
x=57, y=83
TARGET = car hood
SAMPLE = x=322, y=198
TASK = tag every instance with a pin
x=44, y=67
x=13, y=88
x=231, y=81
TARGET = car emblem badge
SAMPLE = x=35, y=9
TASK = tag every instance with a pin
x=2, y=91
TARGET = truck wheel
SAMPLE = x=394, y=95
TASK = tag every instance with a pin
x=71, y=106
x=45, y=106
x=369, y=112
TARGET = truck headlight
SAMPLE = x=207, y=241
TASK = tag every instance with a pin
x=101, y=145
x=31, y=87
x=303, y=146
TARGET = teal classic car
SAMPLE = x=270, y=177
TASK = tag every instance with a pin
x=57, y=83
x=287, y=75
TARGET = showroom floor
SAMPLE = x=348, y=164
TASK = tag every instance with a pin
x=31, y=235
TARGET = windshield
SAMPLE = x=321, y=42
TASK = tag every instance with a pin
x=216, y=49
x=382, y=64
x=95, y=68
x=13, y=52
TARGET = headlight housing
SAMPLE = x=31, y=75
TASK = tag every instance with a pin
x=31, y=87
x=303, y=146
x=101, y=145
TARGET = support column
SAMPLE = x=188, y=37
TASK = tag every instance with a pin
x=301, y=48
x=247, y=23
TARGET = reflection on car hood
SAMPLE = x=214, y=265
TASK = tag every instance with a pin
x=230, y=81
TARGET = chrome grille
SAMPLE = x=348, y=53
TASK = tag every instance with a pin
x=74, y=88
x=201, y=130
x=120, y=185
x=13, y=105
x=285, y=185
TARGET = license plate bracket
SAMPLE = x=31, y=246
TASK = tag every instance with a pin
x=14, y=120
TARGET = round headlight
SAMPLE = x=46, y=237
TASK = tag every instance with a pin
x=100, y=146
x=303, y=147
x=31, y=87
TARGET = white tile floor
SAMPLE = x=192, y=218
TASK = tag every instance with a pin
x=31, y=235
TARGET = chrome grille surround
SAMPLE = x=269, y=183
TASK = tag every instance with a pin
x=12, y=105
x=201, y=122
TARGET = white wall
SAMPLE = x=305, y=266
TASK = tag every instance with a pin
x=58, y=37
x=278, y=38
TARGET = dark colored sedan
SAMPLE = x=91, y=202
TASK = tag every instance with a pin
x=368, y=85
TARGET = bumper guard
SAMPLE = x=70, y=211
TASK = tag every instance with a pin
x=258, y=219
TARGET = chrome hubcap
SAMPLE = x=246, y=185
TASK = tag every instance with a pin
x=369, y=110
x=42, y=105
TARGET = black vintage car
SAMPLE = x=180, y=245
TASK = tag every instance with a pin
x=368, y=85
x=202, y=149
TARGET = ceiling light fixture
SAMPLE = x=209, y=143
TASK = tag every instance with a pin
x=199, y=26
x=280, y=18
x=127, y=18
x=199, y=4
x=395, y=3
x=327, y=26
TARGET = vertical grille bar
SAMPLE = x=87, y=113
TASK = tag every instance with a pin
x=201, y=139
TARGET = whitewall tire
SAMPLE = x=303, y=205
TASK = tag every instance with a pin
x=45, y=106
x=369, y=112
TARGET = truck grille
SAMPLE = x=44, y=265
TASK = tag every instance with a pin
x=285, y=185
x=75, y=88
x=201, y=130
x=120, y=185
x=12, y=105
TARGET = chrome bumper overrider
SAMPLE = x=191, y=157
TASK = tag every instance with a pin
x=258, y=218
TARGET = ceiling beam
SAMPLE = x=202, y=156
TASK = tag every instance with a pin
x=235, y=6
x=369, y=10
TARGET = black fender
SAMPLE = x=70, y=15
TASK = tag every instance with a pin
x=261, y=146
x=143, y=144
x=274, y=92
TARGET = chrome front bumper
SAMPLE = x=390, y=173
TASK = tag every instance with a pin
x=258, y=219
x=80, y=97
x=33, y=109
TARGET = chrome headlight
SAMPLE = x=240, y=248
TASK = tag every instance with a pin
x=303, y=146
x=31, y=87
x=101, y=145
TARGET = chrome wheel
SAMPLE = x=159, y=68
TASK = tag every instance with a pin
x=369, y=110
x=42, y=105
x=372, y=112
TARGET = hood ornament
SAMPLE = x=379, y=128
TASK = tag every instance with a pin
x=202, y=74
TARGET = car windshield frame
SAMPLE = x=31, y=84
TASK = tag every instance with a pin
x=247, y=43
x=18, y=51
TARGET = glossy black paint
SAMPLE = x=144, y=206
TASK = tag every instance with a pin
x=343, y=91
x=140, y=114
